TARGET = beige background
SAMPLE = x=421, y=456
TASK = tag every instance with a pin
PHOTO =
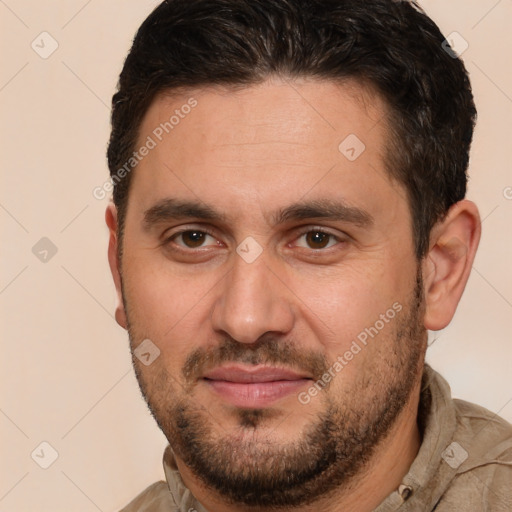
x=65, y=370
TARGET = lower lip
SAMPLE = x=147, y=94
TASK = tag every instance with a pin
x=255, y=394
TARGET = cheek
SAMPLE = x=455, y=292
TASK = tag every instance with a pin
x=164, y=306
x=348, y=301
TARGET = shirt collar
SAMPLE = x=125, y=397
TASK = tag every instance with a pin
x=437, y=423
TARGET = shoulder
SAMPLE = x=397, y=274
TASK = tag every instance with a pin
x=488, y=435
x=481, y=455
x=156, y=498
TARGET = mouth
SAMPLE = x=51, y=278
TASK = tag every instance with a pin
x=254, y=386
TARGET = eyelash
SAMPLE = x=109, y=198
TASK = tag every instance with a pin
x=171, y=238
x=206, y=231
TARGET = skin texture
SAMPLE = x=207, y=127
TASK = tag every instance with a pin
x=300, y=304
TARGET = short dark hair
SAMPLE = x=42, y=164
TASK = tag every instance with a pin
x=391, y=45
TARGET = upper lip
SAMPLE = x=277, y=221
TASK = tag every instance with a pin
x=248, y=374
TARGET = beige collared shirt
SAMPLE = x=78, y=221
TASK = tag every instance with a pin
x=464, y=463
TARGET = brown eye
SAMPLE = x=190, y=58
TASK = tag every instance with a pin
x=192, y=239
x=317, y=239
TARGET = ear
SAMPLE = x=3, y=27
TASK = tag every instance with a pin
x=446, y=268
x=113, y=260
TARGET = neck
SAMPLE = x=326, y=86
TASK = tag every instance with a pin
x=382, y=475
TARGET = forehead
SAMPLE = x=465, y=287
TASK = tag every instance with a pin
x=262, y=144
x=305, y=106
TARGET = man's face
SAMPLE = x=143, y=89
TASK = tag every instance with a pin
x=262, y=246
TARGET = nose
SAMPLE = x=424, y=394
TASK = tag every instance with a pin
x=253, y=301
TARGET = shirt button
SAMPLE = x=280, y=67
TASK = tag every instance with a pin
x=405, y=491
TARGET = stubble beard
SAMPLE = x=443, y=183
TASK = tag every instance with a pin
x=249, y=468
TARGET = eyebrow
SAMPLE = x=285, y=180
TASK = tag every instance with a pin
x=323, y=209
x=174, y=209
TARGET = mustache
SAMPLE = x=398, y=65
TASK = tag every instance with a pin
x=267, y=350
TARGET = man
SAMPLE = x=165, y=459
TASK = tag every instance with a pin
x=288, y=221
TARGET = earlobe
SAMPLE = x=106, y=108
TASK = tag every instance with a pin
x=447, y=267
x=113, y=260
